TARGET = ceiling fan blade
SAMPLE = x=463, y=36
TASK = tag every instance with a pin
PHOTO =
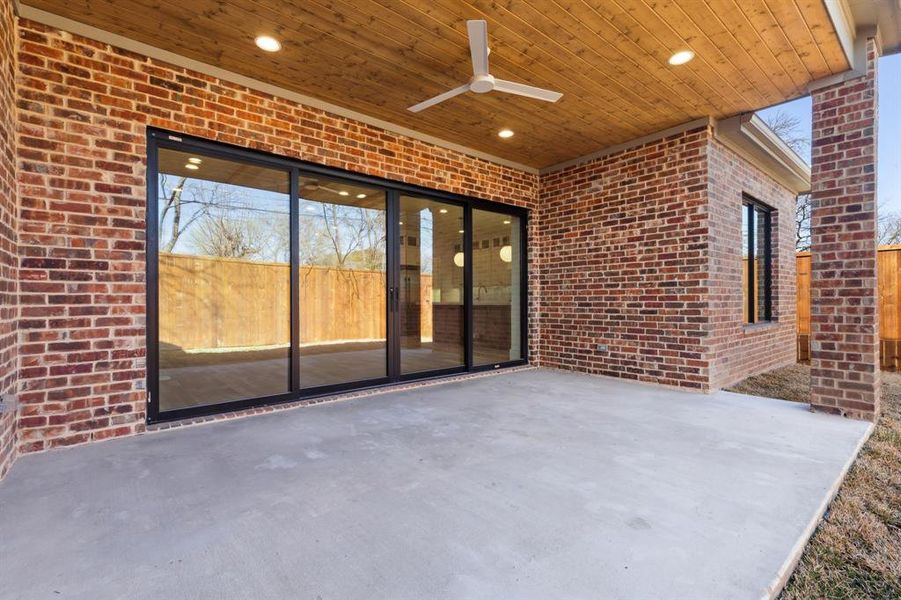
x=478, y=46
x=439, y=98
x=529, y=91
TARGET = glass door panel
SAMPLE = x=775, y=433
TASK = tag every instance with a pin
x=496, y=282
x=342, y=235
x=431, y=300
x=224, y=317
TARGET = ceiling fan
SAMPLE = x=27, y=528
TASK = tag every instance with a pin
x=482, y=81
x=314, y=186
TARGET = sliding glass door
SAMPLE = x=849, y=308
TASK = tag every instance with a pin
x=273, y=280
x=431, y=308
x=343, y=282
x=496, y=287
x=223, y=281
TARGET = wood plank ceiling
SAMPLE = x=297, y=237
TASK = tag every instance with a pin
x=608, y=58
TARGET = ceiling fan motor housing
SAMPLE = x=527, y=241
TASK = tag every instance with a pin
x=481, y=83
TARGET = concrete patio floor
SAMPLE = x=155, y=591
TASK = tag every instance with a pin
x=531, y=484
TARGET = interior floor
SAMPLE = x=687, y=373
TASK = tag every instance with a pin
x=210, y=378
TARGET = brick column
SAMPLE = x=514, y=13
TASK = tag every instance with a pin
x=844, y=329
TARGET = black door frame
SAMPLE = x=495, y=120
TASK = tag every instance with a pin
x=159, y=139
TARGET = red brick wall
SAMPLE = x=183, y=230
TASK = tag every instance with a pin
x=738, y=350
x=624, y=255
x=8, y=226
x=84, y=107
x=844, y=320
x=624, y=238
x=642, y=253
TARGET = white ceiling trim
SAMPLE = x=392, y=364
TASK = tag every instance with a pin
x=843, y=21
x=113, y=39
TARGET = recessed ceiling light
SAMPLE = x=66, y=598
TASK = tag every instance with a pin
x=192, y=166
x=461, y=231
x=681, y=57
x=506, y=222
x=443, y=211
x=195, y=160
x=344, y=193
x=505, y=133
x=268, y=43
x=361, y=196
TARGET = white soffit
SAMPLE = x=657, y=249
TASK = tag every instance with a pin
x=752, y=139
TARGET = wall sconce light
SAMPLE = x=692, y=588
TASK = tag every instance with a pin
x=458, y=259
x=506, y=254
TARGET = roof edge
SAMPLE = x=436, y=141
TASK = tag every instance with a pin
x=752, y=139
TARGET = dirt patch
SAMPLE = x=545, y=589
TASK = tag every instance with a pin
x=856, y=550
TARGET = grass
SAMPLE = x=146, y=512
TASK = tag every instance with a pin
x=856, y=550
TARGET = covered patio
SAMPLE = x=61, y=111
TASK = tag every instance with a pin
x=528, y=484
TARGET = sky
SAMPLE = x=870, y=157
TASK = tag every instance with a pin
x=888, y=183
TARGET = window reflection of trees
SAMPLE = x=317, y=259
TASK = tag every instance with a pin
x=201, y=217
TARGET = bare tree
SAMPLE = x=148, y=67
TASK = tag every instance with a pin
x=788, y=128
x=888, y=227
x=185, y=209
x=220, y=235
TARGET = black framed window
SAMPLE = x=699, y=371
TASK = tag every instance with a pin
x=756, y=261
x=272, y=280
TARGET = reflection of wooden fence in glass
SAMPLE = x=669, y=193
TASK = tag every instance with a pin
x=889, y=264
x=211, y=302
x=744, y=284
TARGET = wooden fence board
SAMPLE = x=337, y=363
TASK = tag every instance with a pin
x=889, y=274
x=211, y=302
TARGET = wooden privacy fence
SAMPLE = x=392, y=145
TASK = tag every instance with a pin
x=889, y=265
x=211, y=303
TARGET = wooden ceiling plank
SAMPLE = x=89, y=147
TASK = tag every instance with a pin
x=818, y=23
x=712, y=31
x=442, y=71
x=626, y=24
x=332, y=88
x=432, y=82
x=659, y=84
x=789, y=16
x=710, y=61
x=625, y=111
x=770, y=36
x=744, y=36
x=384, y=76
x=608, y=57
